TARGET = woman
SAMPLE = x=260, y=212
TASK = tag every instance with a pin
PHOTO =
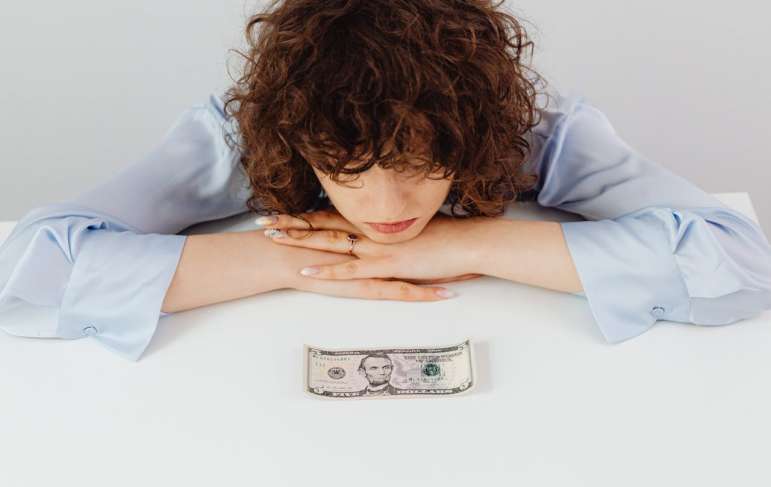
x=385, y=137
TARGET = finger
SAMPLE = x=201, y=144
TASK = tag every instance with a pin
x=353, y=269
x=328, y=240
x=322, y=219
x=376, y=289
x=463, y=277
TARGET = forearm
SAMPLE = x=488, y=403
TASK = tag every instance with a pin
x=525, y=251
x=224, y=266
x=220, y=267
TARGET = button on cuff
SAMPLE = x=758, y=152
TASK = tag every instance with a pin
x=657, y=311
x=90, y=330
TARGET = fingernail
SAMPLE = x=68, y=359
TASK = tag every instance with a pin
x=309, y=271
x=274, y=233
x=266, y=220
x=444, y=293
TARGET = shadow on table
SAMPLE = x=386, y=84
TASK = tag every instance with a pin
x=483, y=375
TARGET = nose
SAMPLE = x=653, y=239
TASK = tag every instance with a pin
x=387, y=195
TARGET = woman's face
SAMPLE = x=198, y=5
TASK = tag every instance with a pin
x=385, y=196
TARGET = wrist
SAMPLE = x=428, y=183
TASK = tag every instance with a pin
x=478, y=249
x=286, y=266
x=269, y=262
x=289, y=260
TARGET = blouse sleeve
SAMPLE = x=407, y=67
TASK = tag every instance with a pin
x=653, y=245
x=99, y=265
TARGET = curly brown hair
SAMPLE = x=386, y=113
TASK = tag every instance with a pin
x=435, y=86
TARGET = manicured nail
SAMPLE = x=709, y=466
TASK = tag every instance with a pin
x=266, y=220
x=274, y=233
x=309, y=271
x=444, y=293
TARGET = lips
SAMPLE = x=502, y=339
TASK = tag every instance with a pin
x=392, y=227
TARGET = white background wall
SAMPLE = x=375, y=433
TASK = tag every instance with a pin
x=89, y=86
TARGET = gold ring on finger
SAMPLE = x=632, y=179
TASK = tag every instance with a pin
x=352, y=238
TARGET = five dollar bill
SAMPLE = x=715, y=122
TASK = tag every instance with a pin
x=389, y=373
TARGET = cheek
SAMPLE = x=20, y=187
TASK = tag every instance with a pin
x=433, y=193
x=345, y=201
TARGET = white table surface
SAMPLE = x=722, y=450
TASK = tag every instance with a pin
x=217, y=399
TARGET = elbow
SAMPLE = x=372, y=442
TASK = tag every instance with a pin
x=729, y=278
x=730, y=308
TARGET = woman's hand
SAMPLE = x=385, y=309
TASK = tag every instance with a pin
x=442, y=252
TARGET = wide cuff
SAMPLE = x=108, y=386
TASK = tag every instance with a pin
x=117, y=287
x=628, y=272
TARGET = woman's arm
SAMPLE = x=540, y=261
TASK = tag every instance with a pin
x=653, y=246
x=526, y=251
x=224, y=266
x=220, y=267
x=100, y=264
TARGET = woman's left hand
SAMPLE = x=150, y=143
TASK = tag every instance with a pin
x=442, y=252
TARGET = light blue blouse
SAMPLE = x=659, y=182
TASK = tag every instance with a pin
x=653, y=245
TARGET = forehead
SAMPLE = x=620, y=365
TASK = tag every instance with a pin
x=375, y=361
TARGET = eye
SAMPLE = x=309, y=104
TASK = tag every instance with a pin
x=415, y=174
x=346, y=183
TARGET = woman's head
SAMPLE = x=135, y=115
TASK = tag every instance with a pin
x=393, y=107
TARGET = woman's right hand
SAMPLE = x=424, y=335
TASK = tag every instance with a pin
x=295, y=258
